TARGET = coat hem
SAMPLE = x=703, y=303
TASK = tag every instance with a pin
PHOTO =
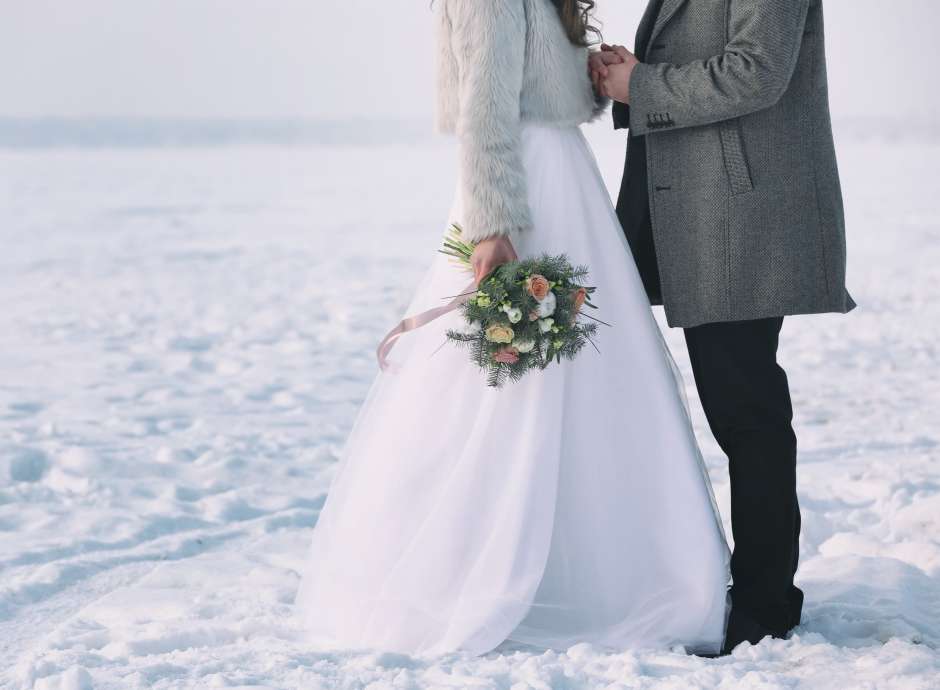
x=688, y=321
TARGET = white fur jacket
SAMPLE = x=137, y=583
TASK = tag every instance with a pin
x=503, y=63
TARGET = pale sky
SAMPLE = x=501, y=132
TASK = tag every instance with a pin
x=366, y=58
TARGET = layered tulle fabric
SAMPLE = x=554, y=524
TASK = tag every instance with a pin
x=571, y=506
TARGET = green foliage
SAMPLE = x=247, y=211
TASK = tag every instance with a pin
x=504, y=308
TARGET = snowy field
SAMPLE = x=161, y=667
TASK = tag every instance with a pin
x=186, y=334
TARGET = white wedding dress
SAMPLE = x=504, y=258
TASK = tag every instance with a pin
x=571, y=506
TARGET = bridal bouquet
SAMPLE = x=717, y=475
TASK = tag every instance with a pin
x=524, y=315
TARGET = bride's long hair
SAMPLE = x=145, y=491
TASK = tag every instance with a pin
x=576, y=18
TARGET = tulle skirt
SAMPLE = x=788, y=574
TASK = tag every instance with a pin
x=571, y=506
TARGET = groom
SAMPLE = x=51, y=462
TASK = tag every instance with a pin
x=732, y=207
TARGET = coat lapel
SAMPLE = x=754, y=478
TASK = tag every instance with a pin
x=668, y=11
x=640, y=44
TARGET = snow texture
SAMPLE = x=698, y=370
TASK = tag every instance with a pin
x=186, y=335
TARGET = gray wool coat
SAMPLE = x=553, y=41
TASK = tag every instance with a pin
x=743, y=187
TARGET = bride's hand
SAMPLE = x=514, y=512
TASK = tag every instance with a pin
x=598, y=62
x=490, y=254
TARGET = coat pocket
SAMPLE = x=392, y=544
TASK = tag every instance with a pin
x=736, y=165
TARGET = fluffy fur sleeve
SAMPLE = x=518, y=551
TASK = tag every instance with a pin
x=600, y=102
x=489, y=43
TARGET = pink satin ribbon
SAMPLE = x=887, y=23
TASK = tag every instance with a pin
x=410, y=323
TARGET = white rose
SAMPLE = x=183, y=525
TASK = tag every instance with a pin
x=547, y=306
x=514, y=314
x=524, y=345
x=545, y=325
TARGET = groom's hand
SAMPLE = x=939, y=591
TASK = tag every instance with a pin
x=490, y=254
x=616, y=84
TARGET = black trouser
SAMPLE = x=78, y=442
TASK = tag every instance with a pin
x=747, y=402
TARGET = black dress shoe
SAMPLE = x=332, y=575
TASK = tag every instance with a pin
x=709, y=655
x=742, y=628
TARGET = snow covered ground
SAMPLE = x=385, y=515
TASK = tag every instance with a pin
x=185, y=335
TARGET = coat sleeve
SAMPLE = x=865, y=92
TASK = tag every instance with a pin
x=752, y=73
x=489, y=41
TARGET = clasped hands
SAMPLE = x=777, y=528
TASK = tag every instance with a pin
x=611, y=68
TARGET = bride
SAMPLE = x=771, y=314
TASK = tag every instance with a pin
x=571, y=506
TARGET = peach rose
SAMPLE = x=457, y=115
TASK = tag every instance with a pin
x=498, y=333
x=507, y=355
x=537, y=286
